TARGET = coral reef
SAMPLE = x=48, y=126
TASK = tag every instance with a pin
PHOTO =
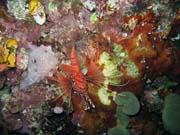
x=84, y=67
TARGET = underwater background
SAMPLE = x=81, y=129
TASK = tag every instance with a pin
x=89, y=67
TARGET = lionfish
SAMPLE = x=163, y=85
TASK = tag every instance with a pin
x=75, y=81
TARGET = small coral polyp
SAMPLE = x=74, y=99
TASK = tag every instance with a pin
x=36, y=9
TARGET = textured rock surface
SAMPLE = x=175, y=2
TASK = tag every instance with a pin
x=41, y=63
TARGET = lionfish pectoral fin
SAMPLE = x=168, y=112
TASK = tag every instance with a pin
x=94, y=74
x=63, y=82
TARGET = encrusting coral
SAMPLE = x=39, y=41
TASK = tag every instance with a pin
x=88, y=66
x=18, y=8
